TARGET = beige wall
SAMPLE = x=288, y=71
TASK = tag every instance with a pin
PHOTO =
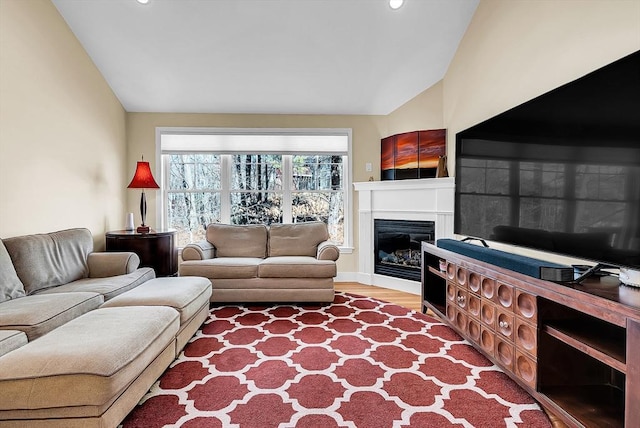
x=62, y=130
x=366, y=134
x=424, y=111
x=516, y=50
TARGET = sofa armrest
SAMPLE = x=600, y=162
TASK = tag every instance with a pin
x=327, y=250
x=102, y=265
x=202, y=250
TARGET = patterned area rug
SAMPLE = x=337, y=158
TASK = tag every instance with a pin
x=358, y=362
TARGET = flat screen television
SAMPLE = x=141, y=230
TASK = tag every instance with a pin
x=559, y=173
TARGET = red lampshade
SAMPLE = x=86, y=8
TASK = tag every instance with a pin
x=143, y=179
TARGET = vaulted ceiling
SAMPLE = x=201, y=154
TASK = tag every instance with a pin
x=268, y=56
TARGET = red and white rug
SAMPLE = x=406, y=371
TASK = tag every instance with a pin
x=358, y=362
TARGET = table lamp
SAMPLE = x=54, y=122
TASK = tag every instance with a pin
x=143, y=179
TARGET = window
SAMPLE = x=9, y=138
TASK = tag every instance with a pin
x=192, y=190
x=256, y=189
x=252, y=176
x=318, y=192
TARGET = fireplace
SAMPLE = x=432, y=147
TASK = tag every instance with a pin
x=397, y=246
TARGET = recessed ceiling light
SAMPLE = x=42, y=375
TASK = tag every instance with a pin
x=395, y=4
x=143, y=1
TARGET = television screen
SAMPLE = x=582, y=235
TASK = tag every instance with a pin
x=560, y=173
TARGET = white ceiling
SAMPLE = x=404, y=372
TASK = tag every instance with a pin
x=268, y=56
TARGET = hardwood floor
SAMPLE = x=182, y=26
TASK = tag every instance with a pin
x=408, y=300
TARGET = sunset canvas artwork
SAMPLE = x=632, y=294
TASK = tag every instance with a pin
x=412, y=154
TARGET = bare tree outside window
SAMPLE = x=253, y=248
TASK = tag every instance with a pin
x=193, y=199
x=256, y=189
x=318, y=193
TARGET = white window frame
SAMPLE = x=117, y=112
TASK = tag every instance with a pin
x=347, y=245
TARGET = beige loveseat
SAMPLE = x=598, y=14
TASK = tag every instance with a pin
x=258, y=263
x=84, y=335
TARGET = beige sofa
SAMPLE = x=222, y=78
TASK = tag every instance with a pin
x=67, y=358
x=62, y=278
x=257, y=263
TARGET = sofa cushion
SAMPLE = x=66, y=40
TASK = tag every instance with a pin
x=185, y=294
x=51, y=259
x=10, y=285
x=108, y=287
x=296, y=267
x=238, y=240
x=222, y=267
x=300, y=239
x=11, y=340
x=88, y=361
x=39, y=314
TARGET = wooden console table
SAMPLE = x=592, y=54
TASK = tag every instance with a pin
x=156, y=249
x=574, y=347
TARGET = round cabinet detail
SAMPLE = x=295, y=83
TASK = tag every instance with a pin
x=526, y=369
x=526, y=305
x=504, y=295
x=473, y=305
x=474, y=282
x=505, y=324
x=451, y=313
x=488, y=288
x=461, y=298
x=526, y=337
x=461, y=321
x=461, y=276
x=505, y=353
x=487, y=340
x=451, y=291
x=488, y=314
x=451, y=270
x=473, y=328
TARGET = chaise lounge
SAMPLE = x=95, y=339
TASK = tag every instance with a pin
x=84, y=335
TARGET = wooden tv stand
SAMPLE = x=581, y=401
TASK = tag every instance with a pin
x=575, y=348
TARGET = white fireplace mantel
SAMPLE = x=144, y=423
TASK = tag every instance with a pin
x=429, y=199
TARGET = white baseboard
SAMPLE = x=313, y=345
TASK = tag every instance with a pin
x=398, y=284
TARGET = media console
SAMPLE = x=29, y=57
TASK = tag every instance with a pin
x=574, y=347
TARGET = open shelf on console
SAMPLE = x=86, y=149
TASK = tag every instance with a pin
x=584, y=383
x=602, y=343
x=434, y=294
x=592, y=405
x=437, y=272
x=597, y=338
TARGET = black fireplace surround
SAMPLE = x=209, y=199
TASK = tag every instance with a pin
x=397, y=246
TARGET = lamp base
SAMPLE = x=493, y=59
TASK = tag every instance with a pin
x=143, y=229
